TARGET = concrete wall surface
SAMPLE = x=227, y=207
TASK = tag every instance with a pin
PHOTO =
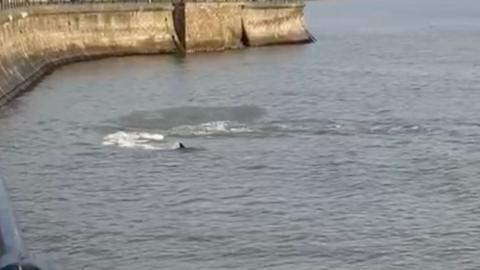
x=34, y=43
x=275, y=24
x=213, y=26
x=35, y=40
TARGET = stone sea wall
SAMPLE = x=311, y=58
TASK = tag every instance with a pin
x=33, y=41
x=220, y=26
x=36, y=41
x=275, y=24
x=213, y=26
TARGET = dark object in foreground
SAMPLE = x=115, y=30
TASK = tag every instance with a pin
x=13, y=254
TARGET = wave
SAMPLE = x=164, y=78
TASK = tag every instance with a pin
x=155, y=141
x=343, y=128
x=168, y=118
x=210, y=128
x=142, y=140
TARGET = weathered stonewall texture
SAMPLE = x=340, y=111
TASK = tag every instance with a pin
x=220, y=26
x=213, y=26
x=33, y=42
x=39, y=40
x=275, y=24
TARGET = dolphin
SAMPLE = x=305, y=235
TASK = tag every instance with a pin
x=179, y=145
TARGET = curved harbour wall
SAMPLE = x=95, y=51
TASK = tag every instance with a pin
x=275, y=24
x=36, y=40
x=220, y=26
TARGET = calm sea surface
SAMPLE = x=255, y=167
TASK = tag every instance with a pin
x=361, y=151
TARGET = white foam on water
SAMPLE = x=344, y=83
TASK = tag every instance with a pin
x=211, y=128
x=142, y=140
